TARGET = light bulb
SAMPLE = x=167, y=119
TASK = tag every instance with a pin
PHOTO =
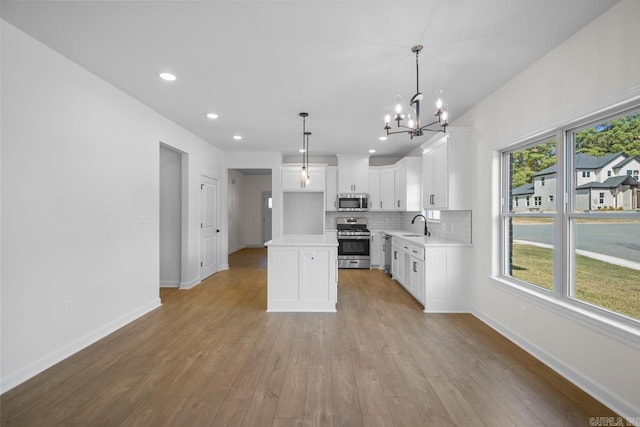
x=387, y=116
x=307, y=181
x=303, y=173
x=398, y=104
x=444, y=117
x=410, y=120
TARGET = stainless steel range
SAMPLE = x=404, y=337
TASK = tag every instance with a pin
x=353, y=243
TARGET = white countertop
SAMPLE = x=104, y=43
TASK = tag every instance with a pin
x=422, y=240
x=327, y=239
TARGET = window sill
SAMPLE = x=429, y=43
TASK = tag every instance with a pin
x=573, y=310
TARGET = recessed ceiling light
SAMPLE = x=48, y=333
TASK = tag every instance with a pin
x=383, y=138
x=302, y=150
x=237, y=137
x=212, y=115
x=167, y=76
x=372, y=151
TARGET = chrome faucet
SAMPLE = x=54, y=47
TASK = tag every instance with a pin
x=426, y=230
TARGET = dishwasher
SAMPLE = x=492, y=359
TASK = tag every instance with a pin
x=386, y=248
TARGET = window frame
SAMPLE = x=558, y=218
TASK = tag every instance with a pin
x=564, y=219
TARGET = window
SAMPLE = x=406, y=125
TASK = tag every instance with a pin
x=433, y=216
x=529, y=234
x=582, y=248
x=516, y=201
x=528, y=202
x=542, y=181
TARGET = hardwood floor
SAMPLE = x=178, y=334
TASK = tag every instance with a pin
x=213, y=356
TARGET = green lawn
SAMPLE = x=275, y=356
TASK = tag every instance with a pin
x=606, y=285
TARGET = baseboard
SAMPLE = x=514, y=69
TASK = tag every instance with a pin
x=59, y=355
x=169, y=283
x=189, y=285
x=611, y=400
x=223, y=267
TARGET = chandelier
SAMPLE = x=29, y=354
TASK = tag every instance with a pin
x=304, y=176
x=413, y=126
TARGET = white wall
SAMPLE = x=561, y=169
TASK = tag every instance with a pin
x=596, y=67
x=252, y=208
x=80, y=206
x=170, y=217
x=235, y=208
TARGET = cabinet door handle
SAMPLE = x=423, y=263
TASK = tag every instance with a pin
x=380, y=204
x=431, y=197
x=415, y=267
x=395, y=254
x=398, y=203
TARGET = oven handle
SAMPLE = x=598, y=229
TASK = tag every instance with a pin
x=354, y=237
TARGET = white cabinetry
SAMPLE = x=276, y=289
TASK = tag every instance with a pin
x=292, y=178
x=446, y=171
x=407, y=184
x=331, y=201
x=353, y=174
x=447, y=279
x=377, y=254
x=302, y=276
x=381, y=188
x=434, y=275
x=408, y=259
x=398, y=263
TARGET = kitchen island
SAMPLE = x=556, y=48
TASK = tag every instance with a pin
x=302, y=273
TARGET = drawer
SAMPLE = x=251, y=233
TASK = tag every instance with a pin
x=416, y=251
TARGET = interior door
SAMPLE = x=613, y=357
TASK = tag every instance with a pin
x=209, y=227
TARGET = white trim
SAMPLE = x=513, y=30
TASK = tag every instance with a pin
x=611, y=400
x=223, y=267
x=47, y=361
x=169, y=283
x=190, y=284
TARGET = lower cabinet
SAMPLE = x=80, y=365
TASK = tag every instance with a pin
x=376, y=250
x=433, y=275
x=302, y=278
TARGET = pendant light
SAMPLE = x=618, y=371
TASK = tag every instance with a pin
x=304, y=175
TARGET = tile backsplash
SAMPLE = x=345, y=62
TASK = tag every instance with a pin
x=453, y=225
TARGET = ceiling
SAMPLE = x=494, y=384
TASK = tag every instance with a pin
x=257, y=64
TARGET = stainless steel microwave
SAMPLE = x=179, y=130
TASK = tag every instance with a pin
x=352, y=202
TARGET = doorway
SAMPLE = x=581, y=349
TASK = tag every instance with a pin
x=170, y=216
x=267, y=209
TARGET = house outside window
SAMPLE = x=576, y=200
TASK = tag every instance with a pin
x=578, y=250
x=537, y=201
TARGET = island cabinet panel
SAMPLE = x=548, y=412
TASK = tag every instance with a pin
x=288, y=275
x=302, y=277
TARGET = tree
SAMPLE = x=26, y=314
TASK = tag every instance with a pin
x=617, y=136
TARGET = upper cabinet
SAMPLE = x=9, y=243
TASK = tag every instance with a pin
x=353, y=174
x=292, y=178
x=408, y=180
x=447, y=171
x=381, y=188
x=331, y=199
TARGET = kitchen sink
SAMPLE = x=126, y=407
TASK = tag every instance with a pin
x=412, y=235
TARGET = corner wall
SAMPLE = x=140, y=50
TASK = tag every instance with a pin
x=595, y=68
x=80, y=206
